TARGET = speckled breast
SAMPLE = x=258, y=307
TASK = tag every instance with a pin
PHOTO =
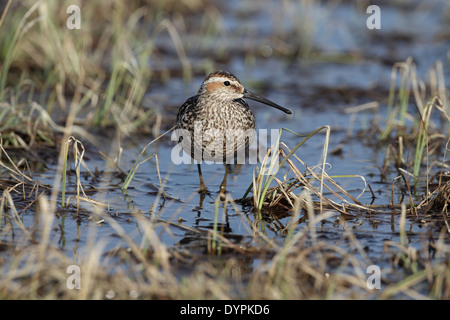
x=219, y=134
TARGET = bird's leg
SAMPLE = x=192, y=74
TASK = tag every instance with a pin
x=223, y=185
x=202, y=198
x=203, y=189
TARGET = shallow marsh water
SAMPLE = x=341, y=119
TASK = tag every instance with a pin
x=318, y=93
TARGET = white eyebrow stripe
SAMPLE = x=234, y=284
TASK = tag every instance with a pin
x=216, y=79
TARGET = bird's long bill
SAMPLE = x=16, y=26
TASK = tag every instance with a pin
x=253, y=96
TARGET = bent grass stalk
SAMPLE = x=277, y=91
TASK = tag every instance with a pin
x=4, y=12
x=7, y=195
x=78, y=162
x=137, y=163
x=422, y=139
x=179, y=48
x=14, y=171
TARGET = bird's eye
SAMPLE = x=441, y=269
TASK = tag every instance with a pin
x=226, y=83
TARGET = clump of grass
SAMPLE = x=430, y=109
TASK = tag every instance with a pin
x=283, y=194
x=416, y=123
x=106, y=61
x=425, y=100
x=267, y=174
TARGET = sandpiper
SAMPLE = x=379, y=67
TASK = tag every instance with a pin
x=217, y=110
